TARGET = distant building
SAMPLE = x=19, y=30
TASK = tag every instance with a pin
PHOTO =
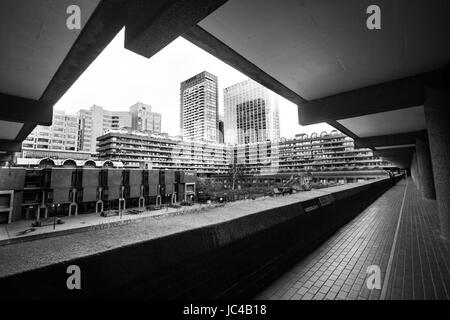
x=260, y=158
x=80, y=132
x=251, y=113
x=95, y=122
x=328, y=156
x=154, y=151
x=221, y=130
x=144, y=119
x=199, y=108
x=61, y=135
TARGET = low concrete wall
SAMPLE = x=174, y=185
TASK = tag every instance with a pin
x=231, y=259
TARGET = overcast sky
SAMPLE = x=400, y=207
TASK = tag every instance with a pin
x=119, y=78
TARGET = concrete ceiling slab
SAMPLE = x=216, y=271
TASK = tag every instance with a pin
x=9, y=130
x=386, y=123
x=34, y=42
x=395, y=146
x=319, y=48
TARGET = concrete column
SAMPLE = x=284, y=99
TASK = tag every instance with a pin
x=425, y=169
x=437, y=115
x=414, y=173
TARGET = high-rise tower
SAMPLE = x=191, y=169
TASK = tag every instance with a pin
x=251, y=113
x=199, y=109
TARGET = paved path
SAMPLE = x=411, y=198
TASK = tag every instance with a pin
x=417, y=265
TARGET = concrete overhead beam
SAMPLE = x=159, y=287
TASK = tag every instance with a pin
x=5, y=158
x=10, y=146
x=342, y=129
x=389, y=140
x=403, y=93
x=395, y=152
x=203, y=39
x=17, y=109
x=103, y=25
x=154, y=24
x=25, y=131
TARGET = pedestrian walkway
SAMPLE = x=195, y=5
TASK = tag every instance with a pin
x=398, y=233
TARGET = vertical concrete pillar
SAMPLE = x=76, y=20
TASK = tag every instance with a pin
x=425, y=169
x=414, y=173
x=437, y=115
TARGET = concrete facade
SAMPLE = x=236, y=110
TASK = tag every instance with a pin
x=437, y=113
x=65, y=191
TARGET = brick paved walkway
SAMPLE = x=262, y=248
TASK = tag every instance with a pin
x=418, y=265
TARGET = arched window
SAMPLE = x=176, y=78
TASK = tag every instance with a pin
x=108, y=164
x=46, y=162
x=69, y=163
x=89, y=164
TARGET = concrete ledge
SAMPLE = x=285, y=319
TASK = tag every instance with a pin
x=228, y=259
x=99, y=226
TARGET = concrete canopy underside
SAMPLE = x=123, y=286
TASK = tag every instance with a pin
x=36, y=48
x=320, y=55
x=317, y=53
x=41, y=57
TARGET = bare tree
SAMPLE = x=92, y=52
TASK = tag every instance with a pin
x=235, y=171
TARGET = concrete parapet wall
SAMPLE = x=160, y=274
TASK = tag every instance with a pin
x=226, y=259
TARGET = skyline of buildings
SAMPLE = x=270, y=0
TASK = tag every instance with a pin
x=79, y=132
x=251, y=113
x=318, y=153
x=247, y=134
x=255, y=116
